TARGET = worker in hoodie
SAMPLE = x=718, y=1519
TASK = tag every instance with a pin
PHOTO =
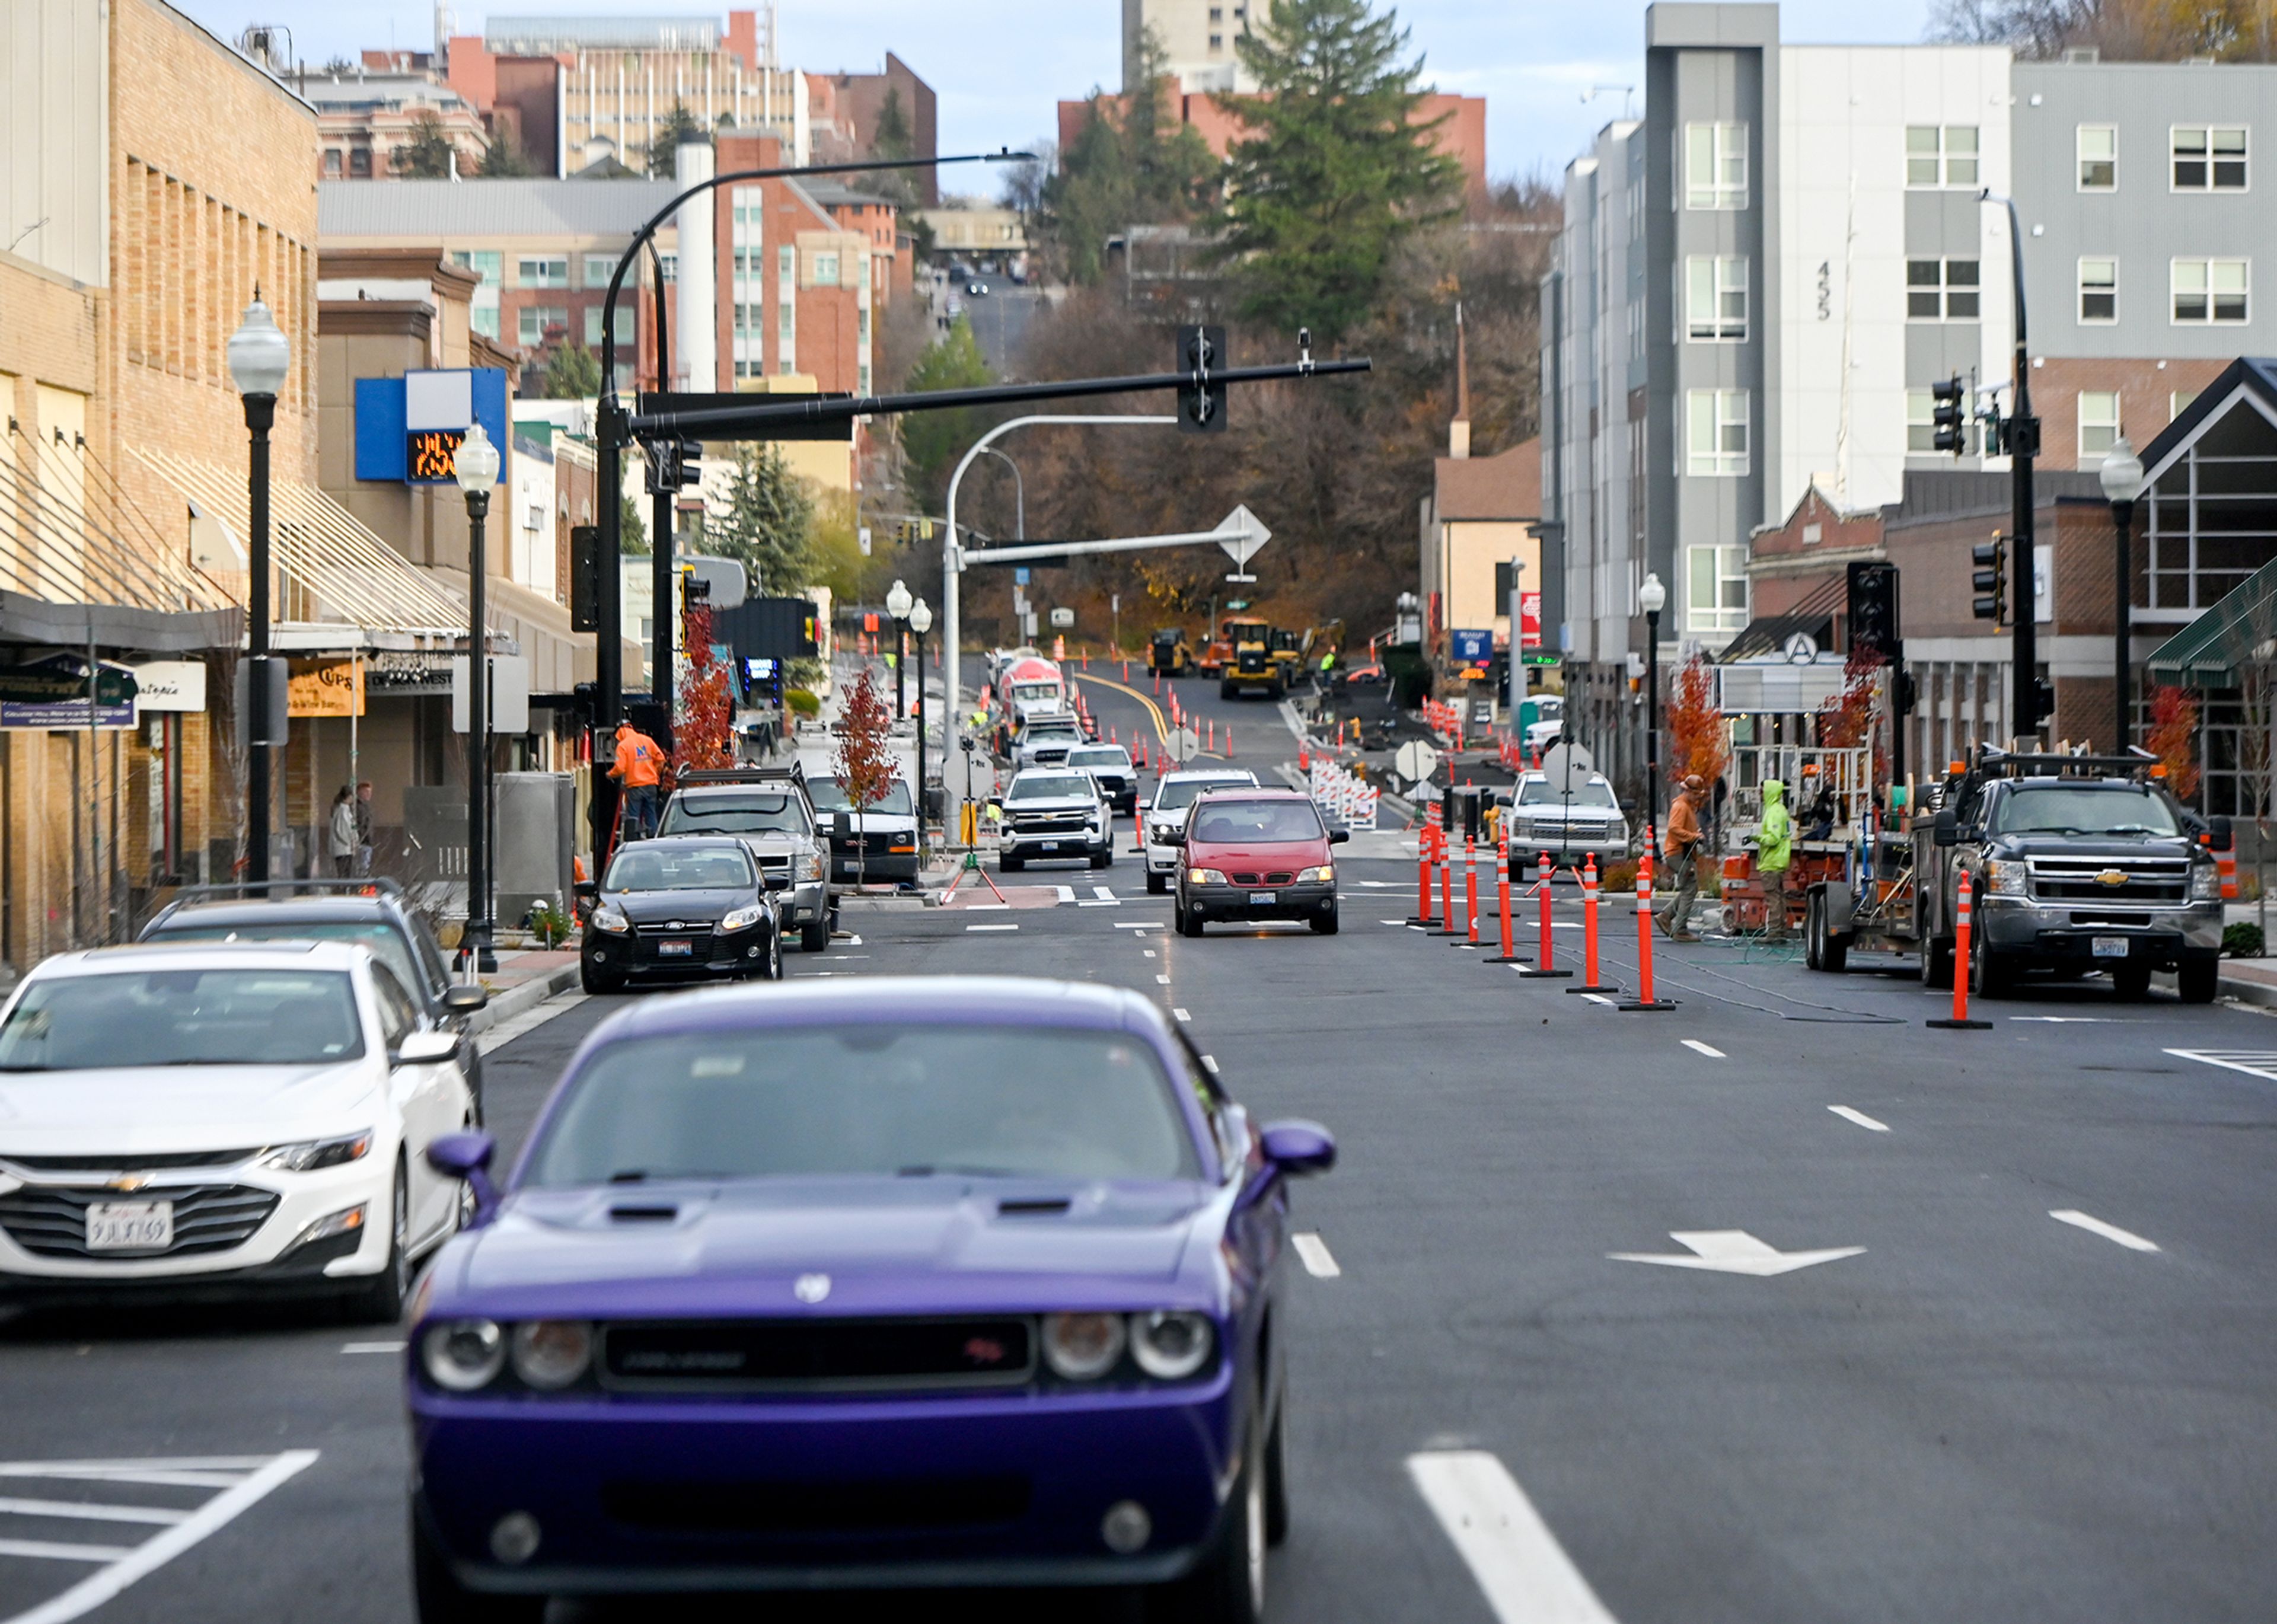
x=1774, y=852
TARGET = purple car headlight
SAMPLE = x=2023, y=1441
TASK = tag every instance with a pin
x=1083, y=1347
x=1171, y=1344
x=549, y=1355
x=463, y=1355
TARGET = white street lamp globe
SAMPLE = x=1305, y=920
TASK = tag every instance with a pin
x=477, y=464
x=897, y=602
x=1652, y=596
x=260, y=355
x=2121, y=472
x=920, y=617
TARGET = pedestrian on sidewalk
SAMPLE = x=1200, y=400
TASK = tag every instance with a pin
x=340, y=832
x=363, y=826
x=1679, y=844
x=1774, y=853
x=638, y=767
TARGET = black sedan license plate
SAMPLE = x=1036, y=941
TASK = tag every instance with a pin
x=676, y=950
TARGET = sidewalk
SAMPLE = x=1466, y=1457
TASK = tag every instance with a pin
x=525, y=976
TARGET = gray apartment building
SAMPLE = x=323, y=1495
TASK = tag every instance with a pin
x=1759, y=280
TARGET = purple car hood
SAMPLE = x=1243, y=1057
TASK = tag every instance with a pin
x=887, y=1246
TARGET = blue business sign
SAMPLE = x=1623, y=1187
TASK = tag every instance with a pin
x=1471, y=648
x=408, y=429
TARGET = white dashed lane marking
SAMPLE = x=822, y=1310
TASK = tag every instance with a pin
x=2109, y=1231
x=1860, y=1117
x=1523, y=1571
x=1709, y=1050
x=371, y=1347
x=1181, y=1014
x=992, y=928
x=1313, y=1253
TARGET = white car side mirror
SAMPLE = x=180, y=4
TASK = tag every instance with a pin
x=425, y=1049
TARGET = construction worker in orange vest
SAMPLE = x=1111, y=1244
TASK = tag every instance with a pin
x=638, y=766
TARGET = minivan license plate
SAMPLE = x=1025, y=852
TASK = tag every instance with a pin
x=129, y=1227
x=1263, y=899
x=676, y=950
x=2111, y=947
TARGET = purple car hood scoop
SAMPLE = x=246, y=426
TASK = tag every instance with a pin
x=874, y=1237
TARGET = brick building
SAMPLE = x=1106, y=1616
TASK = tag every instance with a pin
x=364, y=118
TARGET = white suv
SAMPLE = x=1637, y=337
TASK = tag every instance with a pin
x=1166, y=815
x=214, y=1117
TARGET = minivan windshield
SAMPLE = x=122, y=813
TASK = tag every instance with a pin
x=1254, y=823
x=183, y=1018
x=877, y=1099
x=2075, y=809
x=1175, y=795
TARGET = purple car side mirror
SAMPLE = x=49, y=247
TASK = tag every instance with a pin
x=468, y=1155
x=1297, y=1147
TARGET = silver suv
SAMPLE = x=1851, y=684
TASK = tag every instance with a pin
x=768, y=810
x=1052, y=812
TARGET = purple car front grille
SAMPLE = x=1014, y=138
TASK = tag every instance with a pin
x=810, y=1508
x=791, y=1354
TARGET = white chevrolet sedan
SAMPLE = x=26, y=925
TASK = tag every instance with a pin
x=222, y=1119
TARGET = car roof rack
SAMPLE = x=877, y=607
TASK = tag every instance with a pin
x=1996, y=763
x=256, y=890
x=692, y=777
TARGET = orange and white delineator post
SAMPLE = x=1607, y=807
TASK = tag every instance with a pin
x=1589, y=982
x=1959, y=1021
x=1545, y=965
x=1644, y=1000
x=1446, y=883
x=1423, y=875
x=1509, y=954
x=1471, y=885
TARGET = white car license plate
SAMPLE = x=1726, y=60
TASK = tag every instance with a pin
x=1049, y=846
x=1263, y=898
x=2110, y=947
x=129, y=1227
x=676, y=950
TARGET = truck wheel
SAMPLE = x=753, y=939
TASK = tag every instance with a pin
x=2198, y=980
x=1227, y=691
x=814, y=935
x=1936, y=964
x=1007, y=863
x=1814, y=931
x=1990, y=973
x=1834, y=951
x=1156, y=884
x=2132, y=980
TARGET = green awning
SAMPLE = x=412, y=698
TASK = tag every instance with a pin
x=2240, y=630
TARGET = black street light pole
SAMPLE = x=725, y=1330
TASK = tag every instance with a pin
x=2024, y=437
x=921, y=622
x=2122, y=482
x=1651, y=596
x=477, y=468
x=898, y=603
x=260, y=359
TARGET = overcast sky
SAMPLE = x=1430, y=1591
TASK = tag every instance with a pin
x=1000, y=65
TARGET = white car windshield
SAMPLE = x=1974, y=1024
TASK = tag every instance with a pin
x=183, y=1018
x=1112, y=756
x=1586, y=792
x=1049, y=786
x=1176, y=794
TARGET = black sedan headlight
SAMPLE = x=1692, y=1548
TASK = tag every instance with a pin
x=741, y=918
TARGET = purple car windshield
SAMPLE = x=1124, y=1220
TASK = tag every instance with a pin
x=882, y=1099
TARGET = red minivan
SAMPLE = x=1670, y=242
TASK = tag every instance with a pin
x=1257, y=854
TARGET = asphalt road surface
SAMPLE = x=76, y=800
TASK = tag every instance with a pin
x=2028, y=1377
x=1000, y=320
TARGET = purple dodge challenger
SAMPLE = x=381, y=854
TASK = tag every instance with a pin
x=863, y=1283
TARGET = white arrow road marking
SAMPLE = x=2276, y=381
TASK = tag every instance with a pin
x=2253, y=1062
x=1860, y=1117
x=1525, y=1573
x=243, y=1480
x=1709, y=1050
x=1318, y=1261
x=992, y=928
x=2109, y=1231
x=1733, y=1252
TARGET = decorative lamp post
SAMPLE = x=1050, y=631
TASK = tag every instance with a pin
x=260, y=359
x=2122, y=482
x=1651, y=598
x=921, y=622
x=476, y=467
x=897, y=606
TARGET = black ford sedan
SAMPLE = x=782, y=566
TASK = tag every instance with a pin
x=681, y=908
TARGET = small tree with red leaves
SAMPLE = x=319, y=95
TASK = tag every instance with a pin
x=865, y=766
x=703, y=733
x=2174, y=739
x=1696, y=724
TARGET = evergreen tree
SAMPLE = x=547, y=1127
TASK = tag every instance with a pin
x=680, y=125
x=1334, y=174
x=768, y=526
x=932, y=441
x=632, y=530
x=892, y=137
x=572, y=372
x=504, y=158
x=1131, y=163
x=427, y=154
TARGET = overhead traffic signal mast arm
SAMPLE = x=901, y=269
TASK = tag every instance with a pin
x=727, y=423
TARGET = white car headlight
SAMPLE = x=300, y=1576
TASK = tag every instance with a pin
x=310, y=1154
x=549, y=1355
x=1171, y=1344
x=1204, y=876
x=1083, y=1347
x=607, y=919
x=1163, y=832
x=463, y=1355
x=810, y=866
x=2004, y=878
x=740, y=919
x=1325, y=874
x=2206, y=883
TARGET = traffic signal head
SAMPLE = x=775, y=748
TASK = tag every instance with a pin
x=1201, y=397
x=687, y=466
x=1949, y=416
x=1989, y=578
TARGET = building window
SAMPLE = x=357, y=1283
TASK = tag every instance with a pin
x=1716, y=297
x=825, y=270
x=485, y=263
x=1715, y=166
x=2210, y=290
x=2209, y=158
x=599, y=267
x=2098, y=424
x=1940, y=154
x=1715, y=579
x=1217, y=42
x=332, y=161
x=786, y=321
x=541, y=322
x=483, y=319
x=2099, y=158
x=786, y=264
x=2099, y=290
x=1941, y=290
x=593, y=325
x=862, y=382
x=1217, y=14
x=2178, y=401
x=670, y=259
x=359, y=162
x=552, y=271
x=1921, y=421
x=1716, y=434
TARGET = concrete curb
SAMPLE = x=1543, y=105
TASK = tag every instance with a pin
x=2254, y=992
x=524, y=995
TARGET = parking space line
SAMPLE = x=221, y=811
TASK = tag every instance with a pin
x=1860, y=1117
x=2109, y=1231
x=1313, y=1253
x=992, y=928
x=1524, y=1573
x=87, y=1511
x=60, y=1552
x=1709, y=1050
